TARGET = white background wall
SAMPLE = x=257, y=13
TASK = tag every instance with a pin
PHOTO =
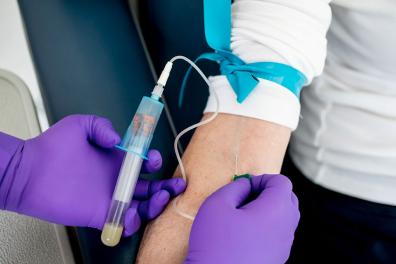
x=14, y=53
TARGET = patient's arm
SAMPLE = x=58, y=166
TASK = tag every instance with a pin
x=210, y=163
x=289, y=32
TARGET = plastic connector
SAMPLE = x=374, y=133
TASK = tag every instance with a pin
x=157, y=92
x=165, y=74
x=246, y=176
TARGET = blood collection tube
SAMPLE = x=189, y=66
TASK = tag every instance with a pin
x=136, y=143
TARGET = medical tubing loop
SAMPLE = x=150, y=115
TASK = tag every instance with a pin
x=186, y=130
x=201, y=123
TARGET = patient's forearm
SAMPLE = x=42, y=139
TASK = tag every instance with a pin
x=210, y=163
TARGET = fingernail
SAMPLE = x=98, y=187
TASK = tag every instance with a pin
x=155, y=159
x=116, y=139
x=180, y=183
x=163, y=196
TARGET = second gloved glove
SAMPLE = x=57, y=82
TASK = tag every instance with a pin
x=247, y=221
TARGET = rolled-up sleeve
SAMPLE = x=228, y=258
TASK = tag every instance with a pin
x=283, y=31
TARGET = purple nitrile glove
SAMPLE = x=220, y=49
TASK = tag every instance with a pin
x=246, y=222
x=67, y=175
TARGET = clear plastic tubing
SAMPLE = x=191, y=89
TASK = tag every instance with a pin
x=136, y=143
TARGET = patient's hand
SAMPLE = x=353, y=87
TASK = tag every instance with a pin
x=210, y=163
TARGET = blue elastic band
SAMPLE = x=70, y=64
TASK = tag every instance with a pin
x=243, y=77
x=127, y=150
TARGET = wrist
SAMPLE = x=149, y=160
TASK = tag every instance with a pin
x=10, y=157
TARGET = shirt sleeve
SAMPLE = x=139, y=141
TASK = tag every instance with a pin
x=283, y=31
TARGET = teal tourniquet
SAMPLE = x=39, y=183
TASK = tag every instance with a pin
x=243, y=77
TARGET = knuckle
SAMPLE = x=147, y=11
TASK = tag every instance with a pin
x=284, y=181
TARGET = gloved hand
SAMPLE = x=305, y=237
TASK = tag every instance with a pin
x=246, y=222
x=67, y=175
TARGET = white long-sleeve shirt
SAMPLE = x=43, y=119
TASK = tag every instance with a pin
x=346, y=140
x=284, y=31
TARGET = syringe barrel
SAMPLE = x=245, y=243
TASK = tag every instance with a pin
x=136, y=142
